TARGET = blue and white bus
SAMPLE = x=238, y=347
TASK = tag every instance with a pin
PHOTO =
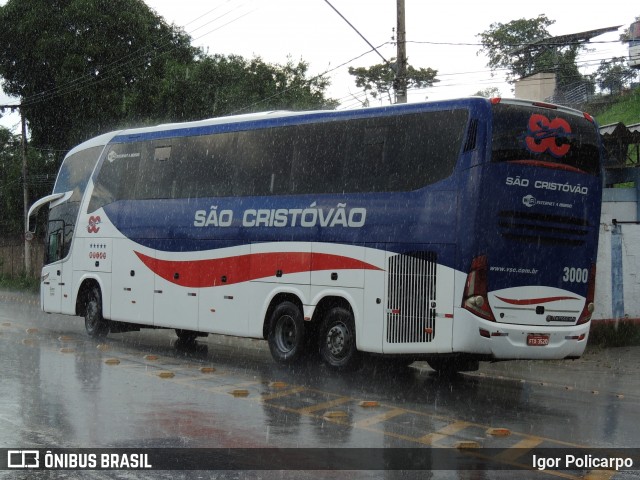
x=453, y=231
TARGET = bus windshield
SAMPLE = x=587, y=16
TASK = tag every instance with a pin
x=75, y=172
x=546, y=138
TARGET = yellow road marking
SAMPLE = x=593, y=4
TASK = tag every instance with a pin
x=284, y=393
x=451, y=429
x=519, y=449
x=324, y=405
x=367, y=422
x=599, y=475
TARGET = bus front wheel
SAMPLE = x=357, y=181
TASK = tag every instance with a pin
x=338, y=340
x=286, y=333
x=94, y=322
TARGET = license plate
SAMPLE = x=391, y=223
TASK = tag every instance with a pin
x=534, y=340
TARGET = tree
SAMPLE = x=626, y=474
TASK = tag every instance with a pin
x=83, y=67
x=74, y=62
x=488, y=92
x=221, y=85
x=501, y=41
x=380, y=79
x=11, y=182
x=614, y=74
x=503, y=44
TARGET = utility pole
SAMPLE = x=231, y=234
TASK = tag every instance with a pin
x=401, y=61
x=25, y=196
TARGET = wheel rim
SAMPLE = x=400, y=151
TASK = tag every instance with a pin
x=286, y=333
x=338, y=340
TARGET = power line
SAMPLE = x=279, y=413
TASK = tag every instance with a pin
x=308, y=81
x=358, y=32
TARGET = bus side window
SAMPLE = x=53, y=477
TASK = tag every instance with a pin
x=263, y=162
x=204, y=166
x=366, y=168
x=319, y=152
x=155, y=174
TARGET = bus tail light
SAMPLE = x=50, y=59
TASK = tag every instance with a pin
x=589, y=306
x=475, y=298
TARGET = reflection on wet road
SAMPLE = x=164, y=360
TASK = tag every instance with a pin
x=144, y=389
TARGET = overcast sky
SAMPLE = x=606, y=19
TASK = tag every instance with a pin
x=440, y=35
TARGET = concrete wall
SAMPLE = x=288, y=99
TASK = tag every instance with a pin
x=618, y=265
x=536, y=87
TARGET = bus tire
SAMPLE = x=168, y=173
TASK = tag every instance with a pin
x=94, y=323
x=337, y=340
x=186, y=336
x=286, y=333
x=449, y=367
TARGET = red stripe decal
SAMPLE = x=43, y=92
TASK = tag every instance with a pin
x=534, y=301
x=540, y=163
x=243, y=268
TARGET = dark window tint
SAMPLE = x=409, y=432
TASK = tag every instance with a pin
x=263, y=161
x=156, y=173
x=548, y=137
x=320, y=154
x=385, y=154
x=382, y=154
x=205, y=165
x=62, y=221
x=75, y=172
x=118, y=174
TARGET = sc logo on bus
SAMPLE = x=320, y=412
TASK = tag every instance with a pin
x=93, y=227
x=548, y=135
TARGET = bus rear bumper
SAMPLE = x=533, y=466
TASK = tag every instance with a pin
x=503, y=341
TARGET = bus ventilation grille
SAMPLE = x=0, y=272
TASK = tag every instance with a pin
x=411, y=299
x=543, y=229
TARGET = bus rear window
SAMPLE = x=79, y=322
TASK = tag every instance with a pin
x=545, y=138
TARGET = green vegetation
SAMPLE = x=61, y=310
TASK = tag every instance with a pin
x=622, y=333
x=84, y=67
x=624, y=108
x=20, y=282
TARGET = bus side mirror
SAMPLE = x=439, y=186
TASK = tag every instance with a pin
x=54, y=197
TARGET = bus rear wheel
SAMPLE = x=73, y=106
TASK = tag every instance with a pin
x=338, y=340
x=94, y=322
x=286, y=333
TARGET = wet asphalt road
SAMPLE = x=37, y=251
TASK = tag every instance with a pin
x=143, y=389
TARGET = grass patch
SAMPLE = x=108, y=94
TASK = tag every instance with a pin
x=20, y=282
x=622, y=108
x=622, y=333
